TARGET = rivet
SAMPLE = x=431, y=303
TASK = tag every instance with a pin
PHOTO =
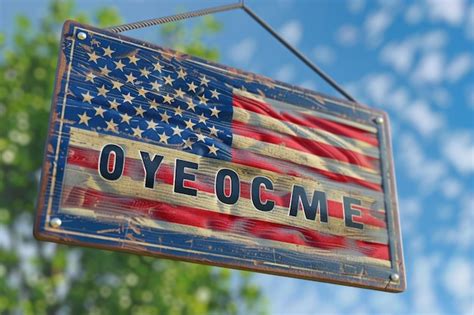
x=379, y=120
x=394, y=277
x=55, y=222
x=81, y=35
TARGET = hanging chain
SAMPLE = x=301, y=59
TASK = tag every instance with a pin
x=254, y=16
x=174, y=18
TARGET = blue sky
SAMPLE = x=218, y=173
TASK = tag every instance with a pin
x=414, y=59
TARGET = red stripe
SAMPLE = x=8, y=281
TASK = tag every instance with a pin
x=247, y=158
x=133, y=168
x=97, y=200
x=305, y=145
x=305, y=120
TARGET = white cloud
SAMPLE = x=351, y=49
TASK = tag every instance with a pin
x=243, y=51
x=433, y=40
x=425, y=299
x=457, y=279
x=459, y=67
x=451, y=11
x=410, y=210
x=308, y=84
x=426, y=172
x=398, y=99
x=286, y=73
x=324, y=54
x=376, y=24
x=414, y=13
x=470, y=23
x=430, y=69
x=458, y=148
x=422, y=118
x=292, y=31
x=347, y=35
x=469, y=93
x=378, y=87
x=356, y=6
x=399, y=55
x=451, y=188
x=441, y=97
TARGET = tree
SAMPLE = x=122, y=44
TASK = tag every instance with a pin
x=44, y=278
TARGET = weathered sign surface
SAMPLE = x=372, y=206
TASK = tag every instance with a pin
x=155, y=152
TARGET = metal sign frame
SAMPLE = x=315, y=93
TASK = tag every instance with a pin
x=54, y=225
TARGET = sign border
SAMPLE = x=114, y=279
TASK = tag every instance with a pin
x=389, y=279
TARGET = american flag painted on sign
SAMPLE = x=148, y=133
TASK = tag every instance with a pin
x=166, y=103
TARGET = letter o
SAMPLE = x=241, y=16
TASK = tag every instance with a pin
x=104, y=159
x=234, y=195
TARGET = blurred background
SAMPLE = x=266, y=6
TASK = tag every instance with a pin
x=414, y=59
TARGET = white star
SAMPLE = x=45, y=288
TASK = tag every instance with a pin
x=119, y=65
x=181, y=73
x=188, y=144
x=168, y=99
x=116, y=85
x=215, y=94
x=177, y=131
x=125, y=118
x=104, y=70
x=133, y=59
x=169, y=80
x=90, y=77
x=203, y=118
x=93, y=57
x=151, y=124
x=102, y=91
x=204, y=80
x=192, y=87
x=158, y=67
x=111, y=125
x=165, y=117
x=155, y=86
x=130, y=78
x=201, y=137
x=84, y=119
x=189, y=124
x=87, y=97
x=128, y=98
x=213, y=149
x=179, y=92
x=178, y=111
x=144, y=72
x=213, y=131
x=99, y=111
x=108, y=51
x=137, y=132
x=215, y=112
x=142, y=92
x=191, y=105
x=140, y=111
x=153, y=104
x=113, y=104
x=202, y=99
x=163, y=138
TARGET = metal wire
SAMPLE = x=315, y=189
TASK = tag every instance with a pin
x=254, y=16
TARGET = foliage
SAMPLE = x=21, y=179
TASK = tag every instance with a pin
x=43, y=278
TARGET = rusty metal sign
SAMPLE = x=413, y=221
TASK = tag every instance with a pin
x=155, y=152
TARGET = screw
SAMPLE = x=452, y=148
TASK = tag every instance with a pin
x=379, y=120
x=55, y=222
x=394, y=277
x=81, y=35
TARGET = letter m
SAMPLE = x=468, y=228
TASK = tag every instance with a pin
x=319, y=203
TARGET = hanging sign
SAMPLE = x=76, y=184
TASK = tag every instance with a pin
x=155, y=152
